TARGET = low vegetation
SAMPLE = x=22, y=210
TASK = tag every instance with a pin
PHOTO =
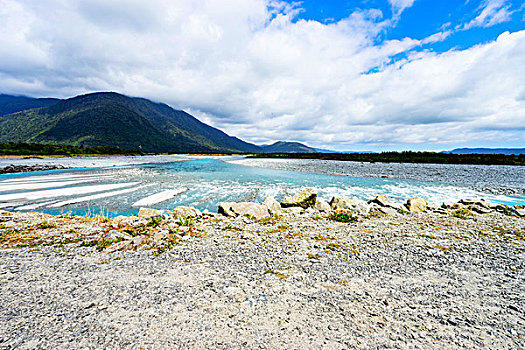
x=40, y=149
x=407, y=157
x=343, y=217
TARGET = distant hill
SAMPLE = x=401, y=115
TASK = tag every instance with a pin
x=516, y=151
x=12, y=104
x=114, y=120
x=286, y=147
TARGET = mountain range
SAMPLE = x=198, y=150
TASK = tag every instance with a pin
x=112, y=119
x=507, y=151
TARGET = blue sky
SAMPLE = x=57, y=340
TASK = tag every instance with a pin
x=345, y=75
x=424, y=18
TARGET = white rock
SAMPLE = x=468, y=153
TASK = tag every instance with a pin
x=322, y=205
x=243, y=208
x=273, y=206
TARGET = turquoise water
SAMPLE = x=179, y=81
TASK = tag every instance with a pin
x=211, y=181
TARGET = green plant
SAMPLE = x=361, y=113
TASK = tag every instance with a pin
x=44, y=224
x=185, y=221
x=505, y=209
x=154, y=221
x=463, y=214
x=272, y=219
x=343, y=217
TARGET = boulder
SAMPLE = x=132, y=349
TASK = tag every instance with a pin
x=114, y=234
x=322, y=205
x=304, y=199
x=477, y=202
x=388, y=211
x=146, y=213
x=272, y=205
x=416, y=205
x=185, y=212
x=123, y=245
x=520, y=212
x=479, y=209
x=458, y=206
x=356, y=206
x=385, y=202
x=243, y=208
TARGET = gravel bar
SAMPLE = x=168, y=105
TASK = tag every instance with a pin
x=296, y=281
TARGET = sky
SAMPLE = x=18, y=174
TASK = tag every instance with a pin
x=344, y=75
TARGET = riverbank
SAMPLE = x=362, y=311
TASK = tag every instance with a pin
x=16, y=164
x=493, y=179
x=442, y=278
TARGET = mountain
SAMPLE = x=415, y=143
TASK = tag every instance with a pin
x=12, y=104
x=115, y=120
x=286, y=147
x=516, y=151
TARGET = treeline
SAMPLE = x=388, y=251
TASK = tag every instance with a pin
x=24, y=149
x=407, y=157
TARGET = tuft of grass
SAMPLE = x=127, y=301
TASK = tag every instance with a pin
x=317, y=217
x=185, y=221
x=101, y=244
x=505, y=209
x=251, y=217
x=313, y=256
x=342, y=217
x=463, y=214
x=272, y=219
x=429, y=236
x=45, y=225
x=154, y=221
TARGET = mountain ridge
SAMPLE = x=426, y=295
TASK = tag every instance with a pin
x=481, y=150
x=115, y=120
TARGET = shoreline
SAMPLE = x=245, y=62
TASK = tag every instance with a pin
x=466, y=175
x=439, y=278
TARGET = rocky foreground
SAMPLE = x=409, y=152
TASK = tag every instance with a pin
x=300, y=274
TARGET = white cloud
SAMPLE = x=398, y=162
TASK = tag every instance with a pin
x=257, y=72
x=398, y=6
x=492, y=12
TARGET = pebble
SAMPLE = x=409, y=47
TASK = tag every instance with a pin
x=300, y=282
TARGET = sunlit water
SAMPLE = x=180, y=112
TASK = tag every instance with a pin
x=114, y=190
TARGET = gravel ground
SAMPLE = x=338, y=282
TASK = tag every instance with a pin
x=495, y=179
x=303, y=281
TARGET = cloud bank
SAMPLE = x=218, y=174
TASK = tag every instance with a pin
x=254, y=70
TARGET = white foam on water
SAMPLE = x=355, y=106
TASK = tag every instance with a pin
x=35, y=206
x=9, y=205
x=159, y=197
x=51, y=177
x=63, y=192
x=41, y=185
x=95, y=196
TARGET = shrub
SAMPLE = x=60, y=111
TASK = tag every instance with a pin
x=343, y=217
